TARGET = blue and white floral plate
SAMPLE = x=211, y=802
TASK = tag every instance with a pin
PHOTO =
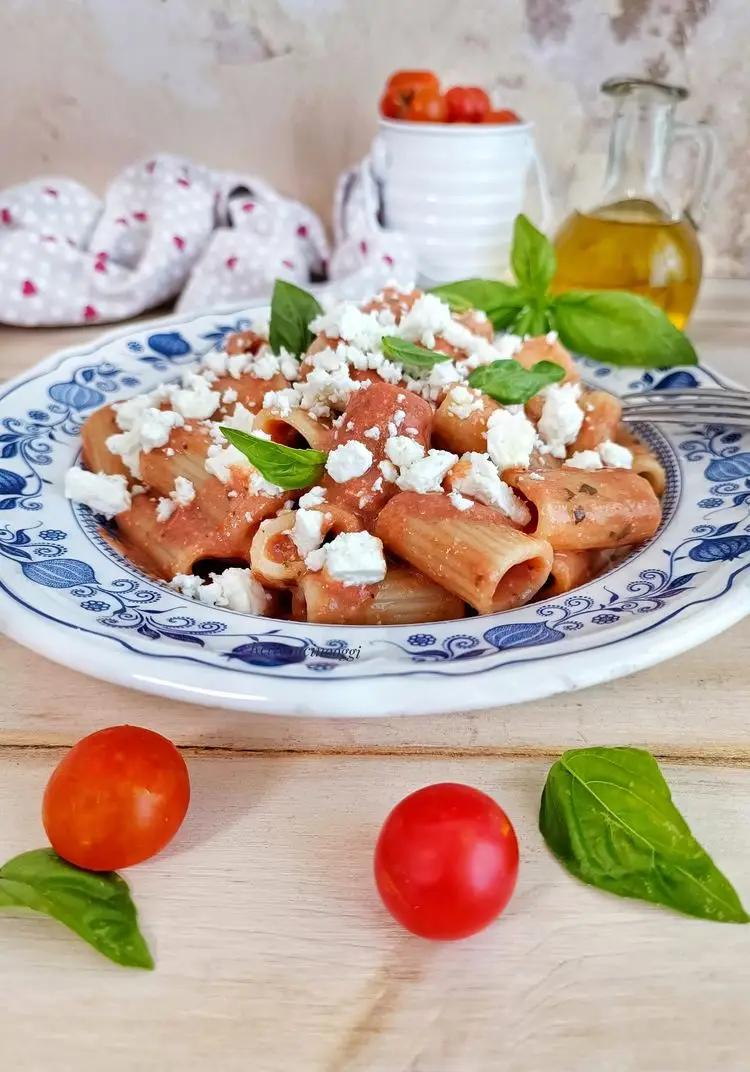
x=65, y=593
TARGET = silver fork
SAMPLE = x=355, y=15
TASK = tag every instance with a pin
x=677, y=405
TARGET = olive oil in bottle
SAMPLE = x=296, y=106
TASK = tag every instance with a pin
x=635, y=239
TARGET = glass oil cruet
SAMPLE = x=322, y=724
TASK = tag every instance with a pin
x=637, y=239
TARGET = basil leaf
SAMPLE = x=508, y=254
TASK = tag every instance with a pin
x=410, y=356
x=292, y=309
x=512, y=384
x=532, y=257
x=620, y=328
x=289, y=467
x=532, y=320
x=607, y=814
x=95, y=905
x=502, y=302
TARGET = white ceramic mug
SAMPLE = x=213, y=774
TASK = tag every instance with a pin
x=455, y=190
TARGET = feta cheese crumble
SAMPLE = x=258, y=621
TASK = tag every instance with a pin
x=314, y=497
x=307, y=532
x=352, y=558
x=427, y=474
x=403, y=451
x=511, y=437
x=195, y=397
x=460, y=502
x=614, y=455
x=561, y=417
x=585, y=459
x=348, y=460
x=482, y=482
x=144, y=428
x=103, y=493
x=234, y=589
x=463, y=401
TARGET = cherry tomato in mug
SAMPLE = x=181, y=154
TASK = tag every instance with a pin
x=446, y=861
x=502, y=115
x=427, y=106
x=117, y=798
x=401, y=88
x=466, y=104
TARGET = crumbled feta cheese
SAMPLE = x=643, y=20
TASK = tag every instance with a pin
x=215, y=363
x=314, y=497
x=347, y=461
x=463, y=401
x=352, y=558
x=103, y=493
x=398, y=417
x=220, y=460
x=307, y=532
x=164, y=510
x=561, y=417
x=195, y=397
x=482, y=482
x=403, y=451
x=187, y=584
x=265, y=366
x=229, y=396
x=460, y=502
x=510, y=438
x=378, y=484
x=551, y=337
x=389, y=471
x=428, y=473
x=184, y=491
x=372, y=433
x=584, y=459
x=615, y=456
x=235, y=589
x=241, y=419
x=260, y=486
x=347, y=322
x=238, y=364
x=282, y=401
x=144, y=428
x=169, y=452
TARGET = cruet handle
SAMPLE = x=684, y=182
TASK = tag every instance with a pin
x=703, y=137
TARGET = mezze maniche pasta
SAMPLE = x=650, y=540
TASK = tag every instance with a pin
x=432, y=500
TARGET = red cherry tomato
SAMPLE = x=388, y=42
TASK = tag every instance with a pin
x=502, y=115
x=116, y=798
x=446, y=861
x=401, y=88
x=466, y=104
x=427, y=106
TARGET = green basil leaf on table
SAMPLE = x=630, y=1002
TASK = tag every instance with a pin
x=410, y=356
x=502, y=302
x=620, y=328
x=95, y=905
x=289, y=467
x=532, y=257
x=608, y=816
x=512, y=384
x=292, y=309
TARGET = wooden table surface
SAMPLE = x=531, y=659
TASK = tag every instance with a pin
x=273, y=952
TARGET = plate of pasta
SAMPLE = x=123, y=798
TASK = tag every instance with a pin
x=370, y=509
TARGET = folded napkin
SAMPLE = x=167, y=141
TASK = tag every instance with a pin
x=169, y=227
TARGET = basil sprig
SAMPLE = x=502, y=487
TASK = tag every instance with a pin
x=95, y=905
x=609, y=325
x=608, y=816
x=292, y=309
x=512, y=384
x=289, y=467
x=414, y=358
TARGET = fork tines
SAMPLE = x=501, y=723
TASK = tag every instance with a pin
x=679, y=406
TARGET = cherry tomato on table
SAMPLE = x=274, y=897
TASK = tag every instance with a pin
x=116, y=798
x=446, y=861
x=401, y=89
x=502, y=115
x=466, y=104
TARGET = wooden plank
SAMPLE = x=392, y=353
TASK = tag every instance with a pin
x=695, y=705
x=274, y=954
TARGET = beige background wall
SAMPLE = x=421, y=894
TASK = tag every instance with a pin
x=287, y=88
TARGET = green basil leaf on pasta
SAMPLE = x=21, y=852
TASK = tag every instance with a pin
x=619, y=328
x=512, y=384
x=532, y=257
x=414, y=358
x=608, y=816
x=95, y=905
x=502, y=302
x=292, y=309
x=289, y=467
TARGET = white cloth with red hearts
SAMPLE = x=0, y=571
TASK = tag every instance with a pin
x=168, y=227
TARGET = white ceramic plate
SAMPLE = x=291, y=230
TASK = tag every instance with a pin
x=65, y=593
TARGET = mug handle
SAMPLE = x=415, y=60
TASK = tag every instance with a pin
x=704, y=139
x=545, y=201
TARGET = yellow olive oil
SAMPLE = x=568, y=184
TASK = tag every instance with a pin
x=631, y=245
